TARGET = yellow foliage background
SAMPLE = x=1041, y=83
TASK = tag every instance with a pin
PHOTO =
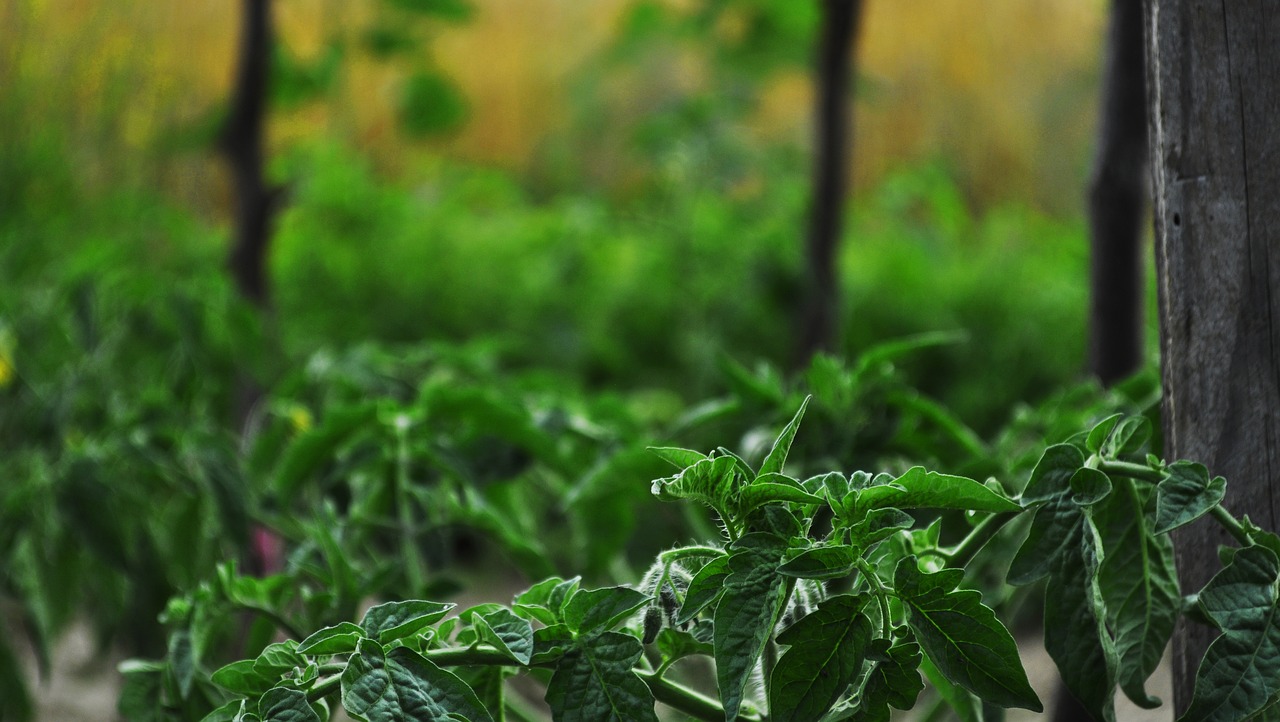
x=1003, y=91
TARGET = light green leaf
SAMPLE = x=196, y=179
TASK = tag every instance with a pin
x=1101, y=432
x=278, y=658
x=283, y=704
x=680, y=458
x=920, y=489
x=600, y=609
x=770, y=488
x=828, y=561
x=1240, y=673
x=962, y=636
x=753, y=596
x=397, y=620
x=825, y=654
x=403, y=686
x=595, y=682
x=338, y=639
x=710, y=481
x=241, y=678
x=545, y=600
x=1185, y=494
x=777, y=457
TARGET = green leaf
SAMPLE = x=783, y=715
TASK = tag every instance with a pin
x=241, y=678
x=777, y=457
x=397, y=620
x=705, y=587
x=507, y=633
x=1128, y=438
x=1185, y=494
x=140, y=693
x=182, y=660
x=277, y=658
x=1240, y=673
x=226, y=713
x=595, y=682
x=431, y=104
x=403, y=686
x=1139, y=586
x=551, y=643
x=544, y=601
x=710, y=481
x=920, y=489
x=1052, y=475
x=338, y=639
x=600, y=609
x=1089, y=486
x=828, y=561
x=312, y=449
x=754, y=593
x=680, y=458
x=880, y=524
x=772, y=487
x=676, y=644
x=282, y=704
x=892, y=682
x=962, y=636
x=962, y=703
x=825, y=654
x=1102, y=432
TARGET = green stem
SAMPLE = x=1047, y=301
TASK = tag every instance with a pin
x=978, y=537
x=408, y=535
x=477, y=655
x=1131, y=470
x=691, y=702
x=324, y=688
x=698, y=552
x=1231, y=524
x=882, y=597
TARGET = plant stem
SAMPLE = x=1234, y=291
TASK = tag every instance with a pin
x=882, y=597
x=1131, y=470
x=1231, y=524
x=978, y=537
x=408, y=535
x=698, y=552
x=477, y=655
x=324, y=688
x=691, y=702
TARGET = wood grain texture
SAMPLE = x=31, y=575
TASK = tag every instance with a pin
x=1214, y=86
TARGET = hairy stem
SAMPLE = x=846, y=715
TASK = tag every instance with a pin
x=1131, y=470
x=978, y=537
x=691, y=702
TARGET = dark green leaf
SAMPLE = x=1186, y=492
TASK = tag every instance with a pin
x=963, y=637
x=1089, y=486
x=705, y=588
x=550, y=643
x=893, y=682
x=1240, y=673
x=282, y=704
x=822, y=562
x=1075, y=631
x=600, y=609
x=1128, y=438
x=397, y=620
x=963, y=703
x=880, y=524
x=403, y=686
x=338, y=639
x=744, y=618
x=431, y=104
x=1052, y=475
x=1185, y=494
x=825, y=654
x=777, y=457
x=452, y=10
x=595, y=682
x=1101, y=432
x=140, y=694
x=1051, y=526
x=241, y=678
x=676, y=644
x=278, y=658
x=507, y=633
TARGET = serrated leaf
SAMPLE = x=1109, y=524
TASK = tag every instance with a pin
x=397, y=620
x=705, y=587
x=709, y=481
x=283, y=704
x=745, y=616
x=828, y=561
x=241, y=678
x=403, y=686
x=894, y=681
x=777, y=457
x=680, y=458
x=507, y=633
x=825, y=654
x=962, y=636
x=1139, y=585
x=601, y=609
x=921, y=489
x=595, y=682
x=1240, y=673
x=338, y=639
x=1185, y=494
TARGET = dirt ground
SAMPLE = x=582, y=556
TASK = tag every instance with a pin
x=83, y=686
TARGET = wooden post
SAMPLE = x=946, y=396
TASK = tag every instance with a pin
x=839, y=30
x=1214, y=85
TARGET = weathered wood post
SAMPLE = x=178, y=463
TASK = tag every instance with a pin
x=1214, y=86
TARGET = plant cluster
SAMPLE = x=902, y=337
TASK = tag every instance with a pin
x=823, y=598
